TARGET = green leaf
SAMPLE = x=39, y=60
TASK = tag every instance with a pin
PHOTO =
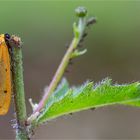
x=67, y=100
x=58, y=94
x=77, y=53
x=76, y=30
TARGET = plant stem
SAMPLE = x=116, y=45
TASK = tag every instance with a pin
x=59, y=73
x=78, y=33
x=18, y=90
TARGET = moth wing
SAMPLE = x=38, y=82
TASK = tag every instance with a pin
x=5, y=80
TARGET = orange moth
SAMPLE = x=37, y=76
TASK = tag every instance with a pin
x=5, y=75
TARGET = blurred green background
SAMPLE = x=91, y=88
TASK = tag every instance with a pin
x=113, y=51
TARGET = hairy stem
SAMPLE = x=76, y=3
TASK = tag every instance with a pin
x=78, y=33
x=59, y=73
x=18, y=90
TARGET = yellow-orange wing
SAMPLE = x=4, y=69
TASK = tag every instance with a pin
x=5, y=77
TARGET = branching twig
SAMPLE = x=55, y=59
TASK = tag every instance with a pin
x=78, y=31
x=79, y=34
x=73, y=51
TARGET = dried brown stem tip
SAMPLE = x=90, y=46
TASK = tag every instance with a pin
x=15, y=41
x=91, y=21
